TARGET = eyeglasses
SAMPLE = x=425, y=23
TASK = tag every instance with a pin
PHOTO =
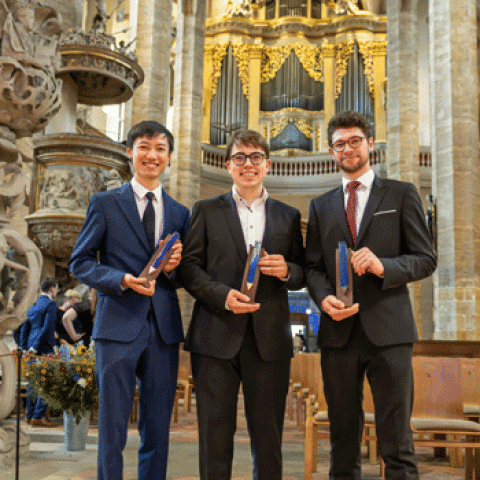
x=354, y=142
x=256, y=158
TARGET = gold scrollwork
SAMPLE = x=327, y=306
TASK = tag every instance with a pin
x=279, y=125
x=365, y=48
x=342, y=52
x=219, y=52
x=309, y=56
x=241, y=52
x=311, y=59
x=273, y=58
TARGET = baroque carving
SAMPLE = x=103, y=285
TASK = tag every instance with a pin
x=342, y=52
x=309, y=56
x=368, y=51
x=242, y=54
x=346, y=7
x=239, y=8
x=219, y=51
x=304, y=125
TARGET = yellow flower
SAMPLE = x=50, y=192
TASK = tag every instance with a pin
x=78, y=368
x=89, y=370
x=43, y=372
x=42, y=379
x=82, y=349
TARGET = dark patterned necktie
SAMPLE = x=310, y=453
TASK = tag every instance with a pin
x=352, y=208
x=149, y=221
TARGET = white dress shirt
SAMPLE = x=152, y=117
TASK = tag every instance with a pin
x=363, y=192
x=252, y=218
x=140, y=198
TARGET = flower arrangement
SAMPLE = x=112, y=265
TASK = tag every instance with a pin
x=66, y=383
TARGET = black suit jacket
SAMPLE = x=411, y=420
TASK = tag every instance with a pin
x=213, y=262
x=393, y=228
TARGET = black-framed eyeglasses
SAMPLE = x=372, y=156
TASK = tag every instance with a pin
x=240, y=159
x=354, y=142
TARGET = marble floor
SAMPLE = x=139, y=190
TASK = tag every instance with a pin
x=48, y=459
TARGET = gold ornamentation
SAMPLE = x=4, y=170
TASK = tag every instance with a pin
x=311, y=59
x=365, y=48
x=309, y=56
x=278, y=126
x=241, y=52
x=342, y=52
x=272, y=60
x=219, y=51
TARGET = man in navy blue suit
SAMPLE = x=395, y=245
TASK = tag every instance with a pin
x=37, y=335
x=137, y=327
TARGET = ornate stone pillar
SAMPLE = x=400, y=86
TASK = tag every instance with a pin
x=154, y=37
x=379, y=50
x=328, y=54
x=254, y=75
x=456, y=170
x=187, y=100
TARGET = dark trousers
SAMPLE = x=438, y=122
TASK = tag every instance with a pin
x=155, y=364
x=265, y=386
x=390, y=374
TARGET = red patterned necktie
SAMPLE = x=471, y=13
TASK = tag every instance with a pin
x=352, y=208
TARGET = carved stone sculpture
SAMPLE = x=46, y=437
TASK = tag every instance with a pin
x=29, y=98
x=239, y=8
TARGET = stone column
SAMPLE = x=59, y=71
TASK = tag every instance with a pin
x=65, y=121
x=328, y=54
x=379, y=61
x=402, y=107
x=154, y=36
x=254, y=76
x=455, y=155
x=187, y=101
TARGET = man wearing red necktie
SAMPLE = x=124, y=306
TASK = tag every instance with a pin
x=382, y=221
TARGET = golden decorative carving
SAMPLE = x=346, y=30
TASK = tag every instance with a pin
x=272, y=60
x=342, y=52
x=279, y=125
x=219, y=51
x=365, y=48
x=308, y=55
x=241, y=52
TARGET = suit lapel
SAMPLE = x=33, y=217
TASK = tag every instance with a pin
x=168, y=214
x=338, y=211
x=128, y=205
x=233, y=222
x=377, y=193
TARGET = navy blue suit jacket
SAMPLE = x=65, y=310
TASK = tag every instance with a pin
x=113, y=230
x=38, y=331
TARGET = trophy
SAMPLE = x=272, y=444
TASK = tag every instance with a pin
x=252, y=271
x=344, y=274
x=160, y=257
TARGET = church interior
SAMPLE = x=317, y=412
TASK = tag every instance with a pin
x=205, y=68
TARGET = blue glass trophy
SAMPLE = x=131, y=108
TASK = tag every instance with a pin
x=344, y=274
x=160, y=257
x=252, y=271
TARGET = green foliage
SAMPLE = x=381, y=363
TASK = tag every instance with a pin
x=70, y=386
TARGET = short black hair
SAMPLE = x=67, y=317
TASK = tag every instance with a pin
x=47, y=284
x=149, y=129
x=249, y=138
x=348, y=119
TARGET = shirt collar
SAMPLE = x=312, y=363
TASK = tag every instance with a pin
x=140, y=191
x=366, y=180
x=238, y=199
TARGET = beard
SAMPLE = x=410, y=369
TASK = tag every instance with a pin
x=348, y=167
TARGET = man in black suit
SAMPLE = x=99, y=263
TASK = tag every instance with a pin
x=383, y=222
x=231, y=340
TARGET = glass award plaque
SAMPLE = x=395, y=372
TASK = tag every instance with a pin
x=252, y=271
x=160, y=257
x=344, y=274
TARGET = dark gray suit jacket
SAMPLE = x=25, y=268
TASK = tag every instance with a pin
x=393, y=228
x=213, y=262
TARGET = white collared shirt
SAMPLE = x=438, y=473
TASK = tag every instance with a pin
x=363, y=192
x=140, y=198
x=252, y=218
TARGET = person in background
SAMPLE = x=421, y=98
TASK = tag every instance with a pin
x=71, y=297
x=38, y=337
x=78, y=319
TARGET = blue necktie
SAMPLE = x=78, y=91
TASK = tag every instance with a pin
x=149, y=221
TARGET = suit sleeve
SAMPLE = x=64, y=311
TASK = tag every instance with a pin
x=418, y=261
x=83, y=263
x=196, y=279
x=318, y=283
x=296, y=261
